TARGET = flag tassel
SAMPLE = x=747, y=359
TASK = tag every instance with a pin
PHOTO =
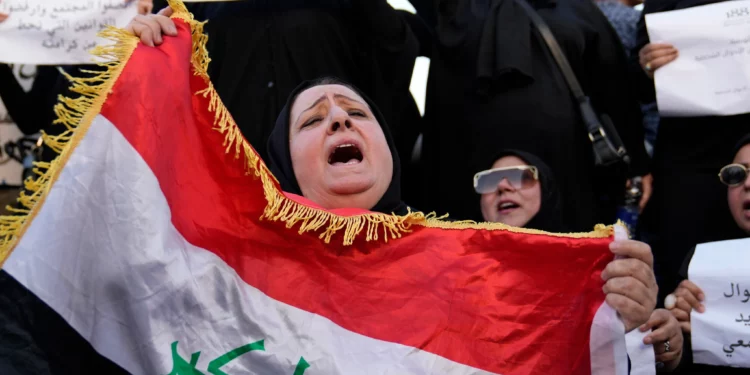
x=75, y=114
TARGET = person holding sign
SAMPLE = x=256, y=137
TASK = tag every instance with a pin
x=687, y=149
x=688, y=296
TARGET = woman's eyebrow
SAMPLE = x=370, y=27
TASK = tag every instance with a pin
x=320, y=100
x=342, y=96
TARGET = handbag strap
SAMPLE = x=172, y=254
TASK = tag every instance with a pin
x=555, y=50
x=602, y=134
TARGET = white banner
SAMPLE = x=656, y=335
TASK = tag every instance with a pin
x=51, y=32
x=711, y=76
x=721, y=335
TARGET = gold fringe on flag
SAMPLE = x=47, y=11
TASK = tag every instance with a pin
x=77, y=114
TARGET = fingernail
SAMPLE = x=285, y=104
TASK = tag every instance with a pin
x=173, y=30
x=701, y=309
x=648, y=340
x=701, y=297
x=643, y=328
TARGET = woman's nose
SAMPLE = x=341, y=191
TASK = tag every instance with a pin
x=339, y=120
x=505, y=185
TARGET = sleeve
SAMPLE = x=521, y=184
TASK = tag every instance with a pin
x=31, y=110
x=612, y=93
x=686, y=264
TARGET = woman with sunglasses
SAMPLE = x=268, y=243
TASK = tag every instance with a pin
x=519, y=190
x=689, y=296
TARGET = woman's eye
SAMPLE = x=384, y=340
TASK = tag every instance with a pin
x=357, y=113
x=310, y=122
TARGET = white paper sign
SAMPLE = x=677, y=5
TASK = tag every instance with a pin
x=52, y=32
x=721, y=335
x=711, y=76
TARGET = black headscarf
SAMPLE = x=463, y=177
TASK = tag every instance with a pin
x=550, y=215
x=280, y=159
x=742, y=143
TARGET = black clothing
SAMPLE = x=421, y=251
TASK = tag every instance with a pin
x=36, y=340
x=261, y=50
x=280, y=159
x=31, y=111
x=689, y=203
x=494, y=85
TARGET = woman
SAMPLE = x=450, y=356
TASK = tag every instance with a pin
x=494, y=85
x=687, y=206
x=332, y=146
x=519, y=190
x=688, y=295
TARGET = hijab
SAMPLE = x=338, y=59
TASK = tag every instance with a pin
x=742, y=143
x=280, y=159
x=550, y=215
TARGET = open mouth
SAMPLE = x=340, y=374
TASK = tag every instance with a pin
x=506, y=206
x=345, y=154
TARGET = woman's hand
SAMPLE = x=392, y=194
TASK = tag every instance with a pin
x=144, y=6
x=630, y=284
x=655, y=55
x=3, y=17
x=150, y=28
x=666, y=337
x=681, y=303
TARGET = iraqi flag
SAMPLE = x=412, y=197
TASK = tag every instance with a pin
x=161, y=241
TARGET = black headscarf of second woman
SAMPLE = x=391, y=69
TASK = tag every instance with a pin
x=550, y=215
x=280, y=159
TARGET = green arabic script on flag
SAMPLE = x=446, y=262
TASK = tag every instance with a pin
x=182, y=367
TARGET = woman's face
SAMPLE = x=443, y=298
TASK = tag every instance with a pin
x=339, y=152
x=508, y=205
x=739, y=196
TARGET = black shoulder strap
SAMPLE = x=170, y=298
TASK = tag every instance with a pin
x=555, y=49
x=608, y=147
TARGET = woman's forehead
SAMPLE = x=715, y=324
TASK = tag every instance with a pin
x=310, y=96
x=509, y=161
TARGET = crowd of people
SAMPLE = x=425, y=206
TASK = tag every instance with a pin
x=320, y=88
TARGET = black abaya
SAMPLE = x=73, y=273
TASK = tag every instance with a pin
x=689, y=203
x=485, y=96
x=261, y=50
